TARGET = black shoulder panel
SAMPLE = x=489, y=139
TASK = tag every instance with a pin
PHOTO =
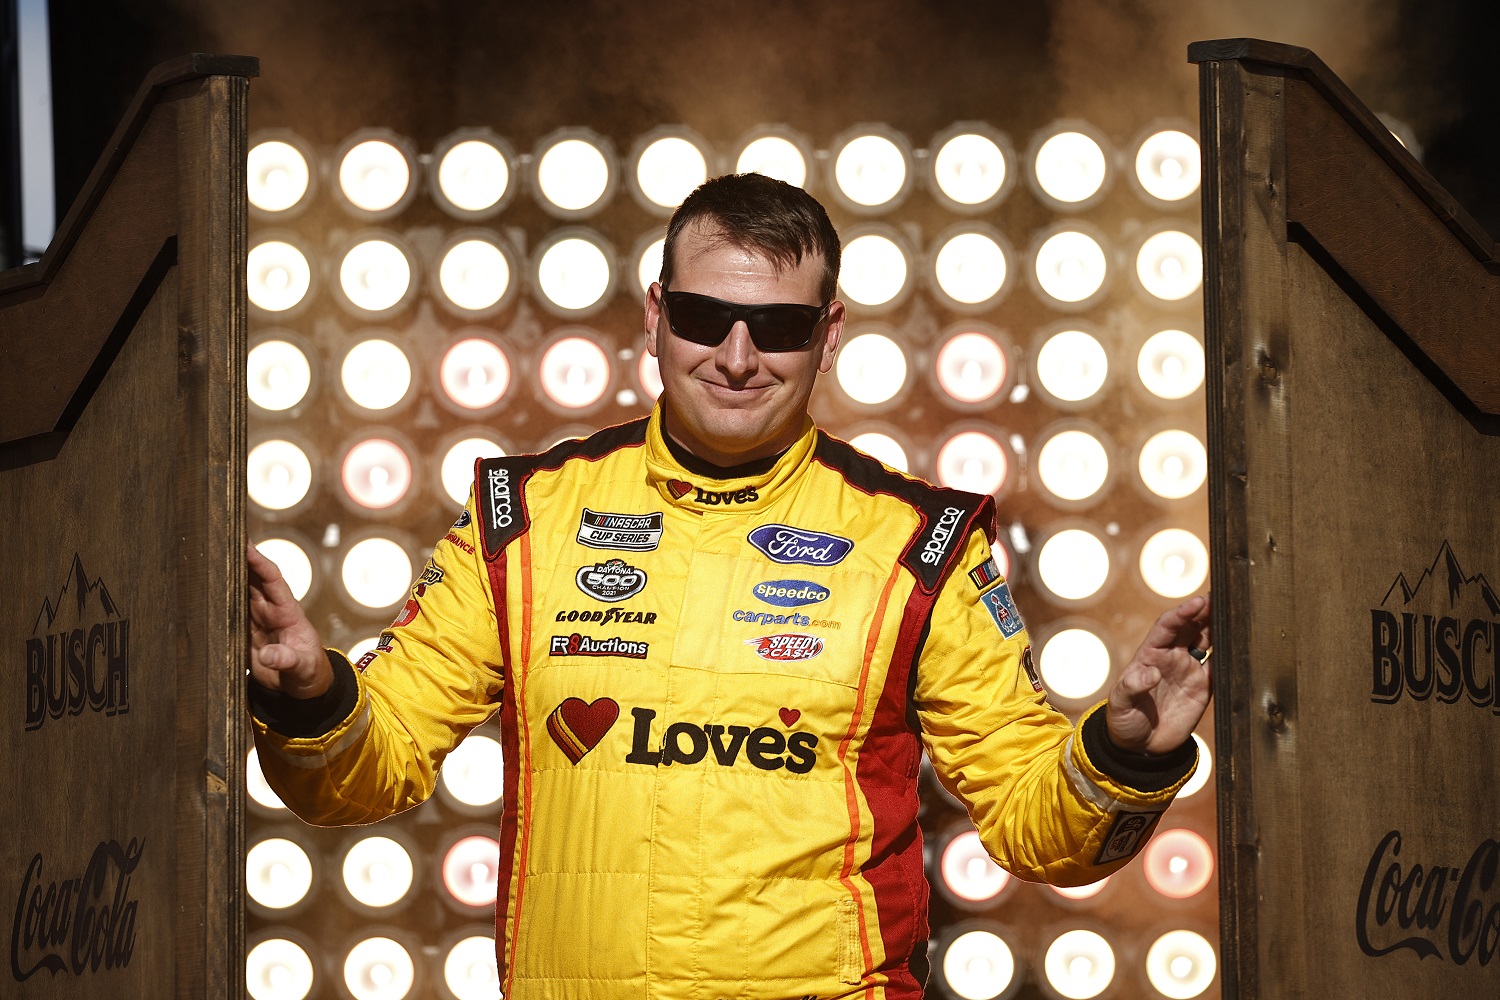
x=499, y=483
x=947, y=516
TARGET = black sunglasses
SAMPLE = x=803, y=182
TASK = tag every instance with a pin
x=705, y=320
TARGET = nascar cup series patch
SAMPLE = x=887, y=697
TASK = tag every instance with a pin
x=1002, y=609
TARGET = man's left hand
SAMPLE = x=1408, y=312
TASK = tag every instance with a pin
x=1163, y=693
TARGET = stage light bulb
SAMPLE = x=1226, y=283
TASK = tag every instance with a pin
x=1072, y=366
x=1071, y=266
x=1073, y=564
x=1171, y=364
x=970, y=268
x=374, y=175
x=971, y=367
x=278, y=873
x=471, y=870
x=870, y=170
x=376, y=572
x=277, y=969
x=1174, y=563
x=968, y=871
x=474, y=275
x=1070, y=167
x=573, y=174
x=470, y=970
x=457, y=471
x=1173, y=464
x=574, y=273
x=377, y=871
x=255, y=782
x=276, y=176
x=1074, y=664
x=969, y=168
x=669, y=169
x=375, y=275
x=472, y=772
x=378, y=969
x=1072, y=465
x=1079, y=964
x=882, y=447
x=978, y=965
x=575, y=372
x=1168, y=165
x=871, y=368
x=1081, y=892
x=1202, y=773
x=649, y=268
x=473, y=175
x=776, y=157
x=973, y=461
x=1170, y=265
x=375, y=374
x=376, y=473
x=1181, y=965
x=873, y=271
x=294, y=564
x=648, y=370
x=474, y=373
x=278, y=375
x=1178, y=863
x=277, y=474
x=277, y=276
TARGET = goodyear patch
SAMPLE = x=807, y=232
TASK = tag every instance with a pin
x=1002, y=608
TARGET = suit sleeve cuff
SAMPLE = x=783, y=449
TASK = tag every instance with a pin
x=305, y=718
x=1142, y=772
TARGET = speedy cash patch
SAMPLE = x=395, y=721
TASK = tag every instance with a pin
x=1002, y=608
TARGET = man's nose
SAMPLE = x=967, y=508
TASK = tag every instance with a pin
x=737, y=356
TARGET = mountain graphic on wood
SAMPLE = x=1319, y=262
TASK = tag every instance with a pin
x=74, y=597
x=1445, y=569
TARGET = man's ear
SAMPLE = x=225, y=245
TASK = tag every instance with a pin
x=653, y=316
x=833, y=331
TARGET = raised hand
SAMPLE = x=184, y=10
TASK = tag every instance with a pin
x=1165, y=690
x=286, y=653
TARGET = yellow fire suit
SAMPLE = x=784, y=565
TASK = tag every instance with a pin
x=713, y=696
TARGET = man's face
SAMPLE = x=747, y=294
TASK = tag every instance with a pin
x=735, y=403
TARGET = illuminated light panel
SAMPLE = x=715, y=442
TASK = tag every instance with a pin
x=376, y=572
x=648, y=370
x=471, y=871
x=377, y=871
x=971, y=367
x=1072, y=465
x=470, y=971
x=1178, y=863
x=474, y=373
x=277, y=474
x=1169, y=166
x=376, y=473
x=882, y=447
x=1072, y=366
x=1170, y=265
x=457, y=472
x=277, y=969
x=574, y=273
x=1181, y=965
x=375, y=275
x=973, y=461
x=969, y=169
x=376, y=374
x=472, y=774
x=871, y=368
x=473, y=175
x=575, y=372
x=669, y=169
x=1079, y=964
x=968, y=871
x=1174, y=563
x=573, y=174
x=1202, y=773
x=873, y=270
x=474, y=275
x=1070, y=167
x=1082, y=892
x=378, y=969
x=978, y=965
x=276, y=176
x=277, y=374
x=1071, y=266
x=649, y=267
x=970, y=268
x=1171, y=364
x=277, y=276
x=296, y=568
x=374, y=175
x=1073, y=564
x=775, y=157
x=870, y=170
x=1173, y=464
x=278, y=873
x=256, y=785
x=1074, y=664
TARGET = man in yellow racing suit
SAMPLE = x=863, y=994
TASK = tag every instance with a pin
x=715, y=680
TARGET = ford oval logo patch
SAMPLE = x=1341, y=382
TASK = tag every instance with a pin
x=790, y=593
x=785, y=544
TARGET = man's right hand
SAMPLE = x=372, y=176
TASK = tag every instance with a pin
x=286, y=653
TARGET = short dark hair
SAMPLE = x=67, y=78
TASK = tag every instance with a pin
x=759, y=213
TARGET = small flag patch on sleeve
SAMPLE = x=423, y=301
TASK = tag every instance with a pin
x=1002, y=608
x=985, y=574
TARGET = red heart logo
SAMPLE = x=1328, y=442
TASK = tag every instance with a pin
x=677, y=488
x=789, y=717
x=577, y=726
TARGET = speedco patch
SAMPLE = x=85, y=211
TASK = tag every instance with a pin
x=633, y=532
x=611, y=580
x=587, y=645
x=1002, y=608
x=784, y=646
x=784, y=544
x=790, y=593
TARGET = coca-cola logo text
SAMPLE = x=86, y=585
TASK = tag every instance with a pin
x=1432, y=910
x=79, y=924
